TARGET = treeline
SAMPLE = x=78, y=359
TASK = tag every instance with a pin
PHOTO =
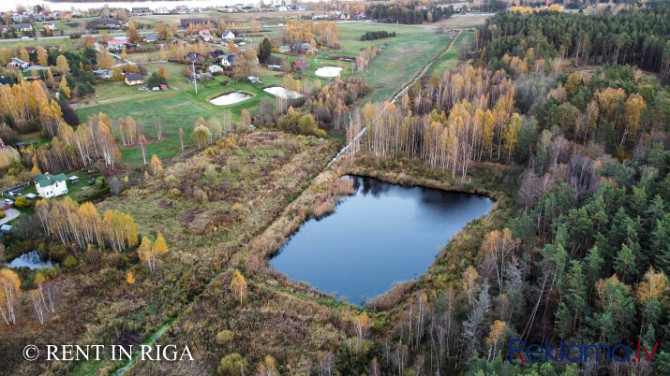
x=70, y=223
x=460, y=117
x=407, y=14
x=26, y=107
x=328, y=105
x=640, y=38
x=373, y=35
x=307, y=32
x=582, y=257
x=92, y=141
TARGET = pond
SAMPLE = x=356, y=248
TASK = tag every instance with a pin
x=328, y=72
x=383, y=234
x=31, y=260
x=230, y=98
x=281, y=92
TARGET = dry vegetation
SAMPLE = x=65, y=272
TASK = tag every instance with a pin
x=206, y=206
x=295, y=323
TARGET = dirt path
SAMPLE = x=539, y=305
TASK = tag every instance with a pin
x=425, y=69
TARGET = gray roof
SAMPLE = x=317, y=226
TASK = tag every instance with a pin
x=134, y=77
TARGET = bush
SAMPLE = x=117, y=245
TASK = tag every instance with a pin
x=21, y=202
x=2, y=214
x=70, y=262
x=372, y=35
x=155, y=80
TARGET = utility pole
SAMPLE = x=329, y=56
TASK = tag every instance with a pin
x=195, y=77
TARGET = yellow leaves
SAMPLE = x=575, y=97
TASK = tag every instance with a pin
x=511, y=133
x=633, y=108
x=160, y=247
x=155, y=164
x=42, y=58
x=62, y=65
x=268, y=367
x=10, y=289
x=496, y=332
x=470, y=283
x=9, y=280
x=608, y=101
x=556, y=8
x=130, y=278
x=145, y=253
x=654, y=285
x=575, y=80
x=239, y=285
x=105, y=59
x=64, y=88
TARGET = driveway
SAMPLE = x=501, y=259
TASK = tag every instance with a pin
x=9, y=215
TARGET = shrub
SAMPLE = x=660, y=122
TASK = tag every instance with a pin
x=372, y=35
x=155, y=80
x=21, y=202
x=2, y=214
x=224, y=337
x=70, y=262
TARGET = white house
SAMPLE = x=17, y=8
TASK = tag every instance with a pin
x=227, y=35
x=215, y=69
x=16, y=62
x=51, y=185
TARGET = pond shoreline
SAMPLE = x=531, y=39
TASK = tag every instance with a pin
x=271, y=241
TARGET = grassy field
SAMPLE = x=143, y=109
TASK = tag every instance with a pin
x=449, y=60
x=401, y=58
x=177, y=108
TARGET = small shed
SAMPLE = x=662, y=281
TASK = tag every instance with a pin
x=7, y=229
x=73, y=179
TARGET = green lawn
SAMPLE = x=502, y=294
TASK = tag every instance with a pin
x=177, y=108
x=401, y=59
x=449, y=60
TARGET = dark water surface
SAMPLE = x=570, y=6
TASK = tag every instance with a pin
x=383, y=234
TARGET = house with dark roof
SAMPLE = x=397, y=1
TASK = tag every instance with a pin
x=48, y=185
x=150, y=38
x=6, y=81
x=139, y=11
x=228, y=60
x=216, y=54
x=228, y=35
x=24, y=27
x=134, y=79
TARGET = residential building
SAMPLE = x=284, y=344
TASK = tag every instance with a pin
x=51, y=185
x=134, y=79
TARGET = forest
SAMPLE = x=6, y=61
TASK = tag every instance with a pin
x=562, y=118
x=639, y=37
x=407, y=14
x=584, y=255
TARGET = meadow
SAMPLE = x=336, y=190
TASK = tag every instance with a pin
x=449, y=60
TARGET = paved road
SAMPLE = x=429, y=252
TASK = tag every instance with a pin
x=10, y=214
